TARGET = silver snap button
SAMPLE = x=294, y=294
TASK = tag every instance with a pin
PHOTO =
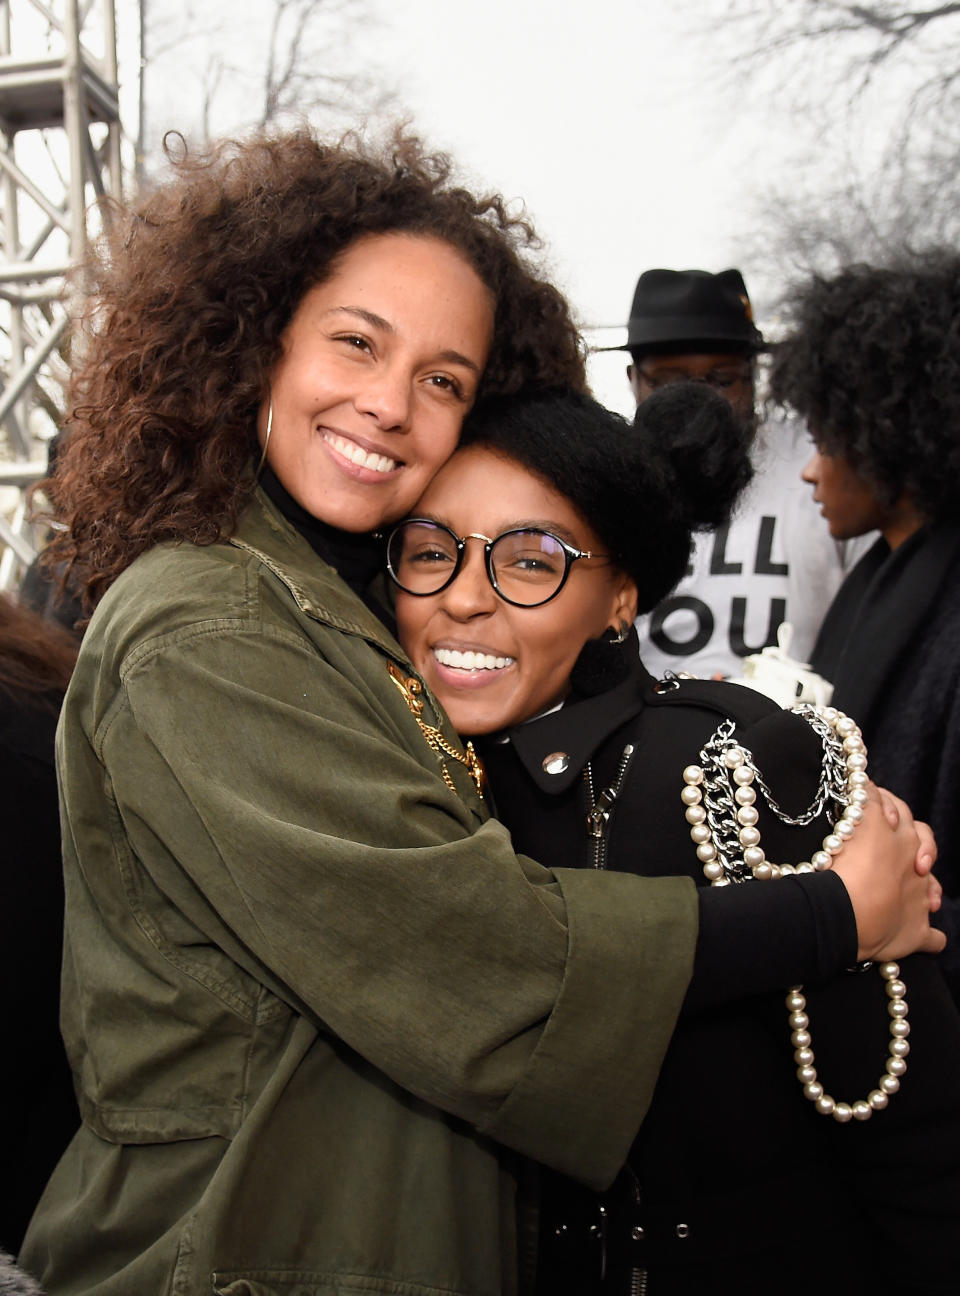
x=556, y=763
x=683, y=1231
x=637, y=1233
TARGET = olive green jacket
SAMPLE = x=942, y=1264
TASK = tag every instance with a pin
x=314, y=1003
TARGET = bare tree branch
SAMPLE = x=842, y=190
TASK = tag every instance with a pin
x=865, y=36
x=837, y=68
x=255, y=65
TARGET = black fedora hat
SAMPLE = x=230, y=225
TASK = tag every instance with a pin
x=691, y=306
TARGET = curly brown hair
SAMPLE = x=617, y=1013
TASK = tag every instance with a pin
x=872, y=362
x=188, y=301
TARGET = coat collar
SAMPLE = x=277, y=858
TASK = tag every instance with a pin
x=572, y=734
x=880, y=610
x=316, y=587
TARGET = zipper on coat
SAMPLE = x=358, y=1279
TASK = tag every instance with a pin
x=638, y=1277
x=601, y=807
x=638, y=1282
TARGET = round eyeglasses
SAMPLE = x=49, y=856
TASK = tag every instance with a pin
x=526, y=567
x=721, y=379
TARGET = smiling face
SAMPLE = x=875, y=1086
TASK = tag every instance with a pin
x=520, y=658
x=380, y=364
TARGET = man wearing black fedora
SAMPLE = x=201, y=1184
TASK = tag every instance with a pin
x=774, y=561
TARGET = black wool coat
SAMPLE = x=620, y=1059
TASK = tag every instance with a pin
x=890, y=645
x=735, y=1183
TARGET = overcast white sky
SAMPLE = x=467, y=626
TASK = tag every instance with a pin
x=595, y=111
x=596, y=115
x=609, y=118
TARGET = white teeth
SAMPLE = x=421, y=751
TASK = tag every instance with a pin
x=356, y=454
x=470, y=660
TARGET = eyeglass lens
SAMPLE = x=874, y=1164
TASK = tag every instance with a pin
x=528, y=566
x=718, y=379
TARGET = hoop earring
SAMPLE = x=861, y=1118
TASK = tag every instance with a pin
x=619, y=636
x=266, y=439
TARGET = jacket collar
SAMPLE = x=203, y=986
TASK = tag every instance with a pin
x=881, y=610
x=577, y=730
x=316, y=587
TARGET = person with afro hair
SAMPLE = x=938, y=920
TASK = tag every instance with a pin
x=872, y=362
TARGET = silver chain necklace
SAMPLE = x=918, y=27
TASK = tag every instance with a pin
x=719, y=797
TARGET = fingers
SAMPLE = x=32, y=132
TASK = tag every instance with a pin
x=887, y=804
x=934, y=895
x=894, y=810
x=933, y=942
x=887, y=872
x=927, y=854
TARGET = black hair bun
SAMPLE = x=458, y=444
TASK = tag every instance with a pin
x=695, y=450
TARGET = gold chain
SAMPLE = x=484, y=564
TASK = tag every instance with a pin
x=412, y=691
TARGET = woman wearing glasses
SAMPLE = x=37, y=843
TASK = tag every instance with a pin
x=767, y=1162
x=317, y=1008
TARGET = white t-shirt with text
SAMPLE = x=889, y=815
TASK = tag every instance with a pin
x=774, y=561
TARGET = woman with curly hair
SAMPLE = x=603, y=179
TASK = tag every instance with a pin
x=317, y=1008
x=872, y=362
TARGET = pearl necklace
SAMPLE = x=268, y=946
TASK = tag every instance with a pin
x=719, y=798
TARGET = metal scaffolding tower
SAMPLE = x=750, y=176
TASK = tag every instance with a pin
x=59, y=150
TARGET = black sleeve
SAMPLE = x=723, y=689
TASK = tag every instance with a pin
x=762, y=937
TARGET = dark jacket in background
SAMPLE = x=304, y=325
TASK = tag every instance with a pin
x=890, y=644
x=36, y=1092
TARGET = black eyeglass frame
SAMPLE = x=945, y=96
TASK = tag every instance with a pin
x=717, y=379
x=570, y=555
